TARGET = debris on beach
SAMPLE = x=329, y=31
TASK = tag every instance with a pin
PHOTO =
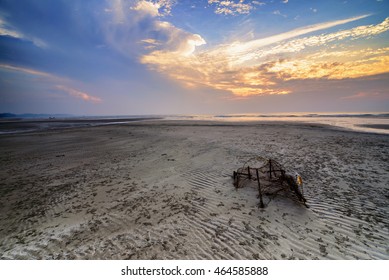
x=271, y=178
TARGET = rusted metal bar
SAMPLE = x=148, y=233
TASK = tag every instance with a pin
x=276, y=170
x=274, y=173
x=259, y=190
x=270, y=168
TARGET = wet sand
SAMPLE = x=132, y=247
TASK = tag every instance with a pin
x=376, y=126
x=163, y=190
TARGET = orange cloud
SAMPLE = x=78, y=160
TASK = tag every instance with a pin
x=337, y=65
x=79, y=94
x=261, y=66
x=25, y=70
x=364, y=95
x=52, y=79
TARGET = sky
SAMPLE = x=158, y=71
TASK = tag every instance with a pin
x=130, y=57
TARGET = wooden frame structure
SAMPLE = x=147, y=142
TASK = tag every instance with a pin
x=273, y=177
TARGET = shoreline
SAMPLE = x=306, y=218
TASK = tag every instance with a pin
x=163, y=190
x=27, y=126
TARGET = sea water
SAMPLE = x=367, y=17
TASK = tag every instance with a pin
x=363, y=122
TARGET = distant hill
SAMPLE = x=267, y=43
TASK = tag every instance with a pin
x=31, y=116
x=7, y=115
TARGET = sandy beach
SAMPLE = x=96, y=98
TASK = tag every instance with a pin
x=163, y=190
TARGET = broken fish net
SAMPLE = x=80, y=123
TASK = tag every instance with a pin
x=271, y=178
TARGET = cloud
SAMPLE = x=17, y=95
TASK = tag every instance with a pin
x=147, y=7
x=79, y=94
x=139, y=26
x=298, y=45
x=7, y=29
x=264, y=66
x=211, y=70
x=177, y=40
x=117, y=8
x=51, y=80
x=154, y=8
x=356, y=96
x=26, y=70
x=278, y=13
x=367, y=95
x=142, y=28
x=349, y=65
x=121, y=9
x=258, y=3
x=239, y=48
x=229, y=7
x=165, y=6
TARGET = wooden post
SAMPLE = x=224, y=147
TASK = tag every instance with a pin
x=259, y=190
x=248, y=170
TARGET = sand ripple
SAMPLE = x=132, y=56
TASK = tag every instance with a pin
x=164, y=191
